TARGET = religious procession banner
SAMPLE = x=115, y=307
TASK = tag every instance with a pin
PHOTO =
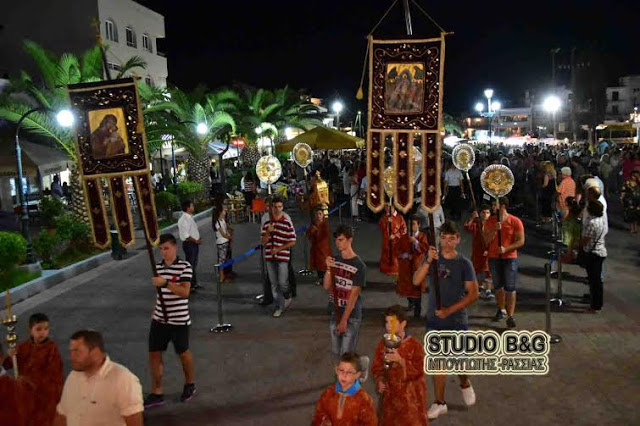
x=405, y=108
x=111, y=148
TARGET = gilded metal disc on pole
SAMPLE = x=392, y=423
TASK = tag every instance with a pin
x=389, y=181
x=497, y=180
x=302, y=154
x=463, y=157
x=268, y=169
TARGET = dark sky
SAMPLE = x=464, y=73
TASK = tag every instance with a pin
x=320, y=45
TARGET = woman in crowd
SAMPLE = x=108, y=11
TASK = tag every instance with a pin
x=593, y=236
x=631, y=201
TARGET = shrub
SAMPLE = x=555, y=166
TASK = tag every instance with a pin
x=69, y=229
x=50, y=208
x=189, y=190
x=13, y=251
x=46, y=245
x=166, y=202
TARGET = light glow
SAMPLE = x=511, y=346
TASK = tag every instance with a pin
x=488, y=93
x=202, y=129
x=551, y=104
x=479, y=107
x=65, y=118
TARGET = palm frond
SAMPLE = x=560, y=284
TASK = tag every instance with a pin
x=68, y=70
x=46, y=61
x=91, y=64
x=132, y=63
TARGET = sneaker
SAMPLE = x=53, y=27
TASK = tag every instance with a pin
x=287, y=303
x=364, y=361
x=489, y=294
x=468, y=395
x=436, y=410
x=153, y=400
x=188, y=392
x=277, y=313
x=501, y=314
x=511, y=322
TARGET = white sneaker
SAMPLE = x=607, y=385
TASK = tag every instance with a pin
x=277, y=313
x=364, y=361
x=287, y=303
x=468, y=395
x=436, y=410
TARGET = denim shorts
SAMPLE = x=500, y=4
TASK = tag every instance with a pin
x=510, y=271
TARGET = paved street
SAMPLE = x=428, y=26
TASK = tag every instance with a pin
x=271, y=371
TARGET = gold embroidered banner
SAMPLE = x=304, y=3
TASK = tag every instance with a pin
x=111, y=147
x=375, y=167
x=405, y=103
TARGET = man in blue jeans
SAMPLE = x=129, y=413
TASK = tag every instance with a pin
x=345, y=278
x=458, y=290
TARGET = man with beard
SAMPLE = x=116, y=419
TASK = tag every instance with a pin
x=98, y=391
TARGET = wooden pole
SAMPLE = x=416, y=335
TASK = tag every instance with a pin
x=434, y=264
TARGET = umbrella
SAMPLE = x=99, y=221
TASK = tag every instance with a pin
x=322, y=138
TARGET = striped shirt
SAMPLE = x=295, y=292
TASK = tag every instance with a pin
x=282, y=234
x=177, y=307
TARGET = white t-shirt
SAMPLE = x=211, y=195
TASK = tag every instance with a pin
x=453, y=177
x=221, y=224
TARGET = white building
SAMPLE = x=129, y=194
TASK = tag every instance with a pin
x=127, y=28
x=622, y=98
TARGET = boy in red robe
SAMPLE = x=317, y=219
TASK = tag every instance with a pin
x=410, y=252
x=346, y=403
x=402, y=387
x=40, y=363
x=393, y=227
x=318, y=234
x=16, y=398
x=479, y=250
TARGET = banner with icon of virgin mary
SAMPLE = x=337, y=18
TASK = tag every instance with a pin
x=111, y=150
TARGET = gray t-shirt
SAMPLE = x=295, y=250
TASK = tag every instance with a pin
x=347, y=274
x=453, y=273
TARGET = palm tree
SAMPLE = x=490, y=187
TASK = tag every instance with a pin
x=50, y=93
x=272, y=112
x=177, y=116
x=451, y=125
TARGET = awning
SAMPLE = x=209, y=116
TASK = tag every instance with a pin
x=322, y=138
x=50, y=161
x=216, y=147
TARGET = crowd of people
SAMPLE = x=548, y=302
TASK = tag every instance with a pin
x=566, y=185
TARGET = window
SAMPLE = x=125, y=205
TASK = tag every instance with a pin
x=146, y=43
x=615, y=96
x=148, y=81
x=110, y=31
x=131, y=37
x=114, y=67
x=614, y=109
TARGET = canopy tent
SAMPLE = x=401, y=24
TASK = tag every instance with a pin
x=35, y=158
x=216, y=147
x=322, y=138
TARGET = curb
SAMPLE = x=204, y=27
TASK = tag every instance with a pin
x=33, y=287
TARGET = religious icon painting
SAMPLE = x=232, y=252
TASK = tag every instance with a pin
x=111, y=149
x=405, y=106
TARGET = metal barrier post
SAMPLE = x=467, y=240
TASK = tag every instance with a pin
x=340, y=213
x=221, y=327
x=262, y=271
x=554, y=338
x=558, y=300
x=304, y=271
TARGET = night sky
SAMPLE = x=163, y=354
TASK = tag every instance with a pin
x=320, y=45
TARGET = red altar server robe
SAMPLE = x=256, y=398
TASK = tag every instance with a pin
x=17, y=401
x=357, y=410
x=42, y=366
x=404, y=402
x=320, y=245
x=406, y=267
x=388, y=262
x=479, y=252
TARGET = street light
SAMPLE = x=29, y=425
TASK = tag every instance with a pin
x=479, y=107
x=65, y=119
x=202, y=129
x=337, y=108
x=552, y=104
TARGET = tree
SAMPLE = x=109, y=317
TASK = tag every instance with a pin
x=177, y=115
x=451, y=125
x=49, y=92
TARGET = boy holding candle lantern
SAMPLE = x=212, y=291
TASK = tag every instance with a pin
x=399, y=374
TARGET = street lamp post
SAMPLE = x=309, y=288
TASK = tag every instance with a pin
x=337, y=108
x=493, y=107
x=552, y=104
x=636, y=123
x=65, y=119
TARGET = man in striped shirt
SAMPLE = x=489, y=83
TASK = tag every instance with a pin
x=171, y=320
x=278, y=236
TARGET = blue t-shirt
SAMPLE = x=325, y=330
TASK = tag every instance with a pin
x=453, y=274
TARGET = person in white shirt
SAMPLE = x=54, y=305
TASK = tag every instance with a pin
x=190, y=237
x=454, y=191
x=98, y=391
